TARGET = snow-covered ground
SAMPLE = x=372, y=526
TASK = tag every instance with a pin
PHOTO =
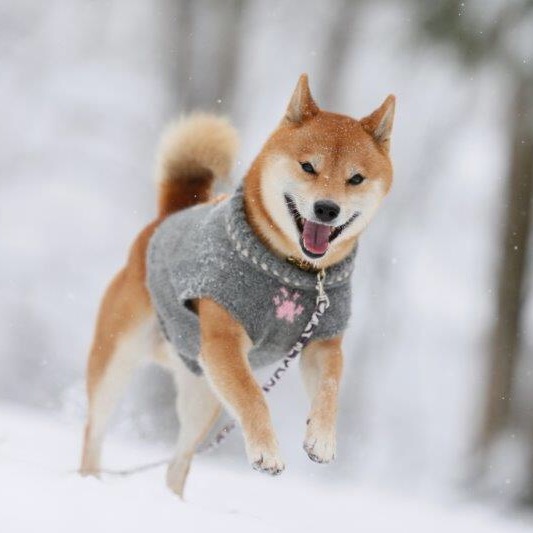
x=40, y=491
x=87, y=88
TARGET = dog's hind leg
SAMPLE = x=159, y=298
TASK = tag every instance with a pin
x=106, y=385
x=126, y=333
x=103, y=396
x=197, y=409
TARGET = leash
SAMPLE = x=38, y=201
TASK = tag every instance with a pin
x=322, y=303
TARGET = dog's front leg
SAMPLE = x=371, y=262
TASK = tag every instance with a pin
x=321, y=366
x=224, y=345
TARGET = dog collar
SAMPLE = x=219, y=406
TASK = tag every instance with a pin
x=302, y=264
x=289, y=272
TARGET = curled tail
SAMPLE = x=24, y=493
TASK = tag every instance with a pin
x=193, y=151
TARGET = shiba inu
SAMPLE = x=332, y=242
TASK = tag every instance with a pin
x=217, y=286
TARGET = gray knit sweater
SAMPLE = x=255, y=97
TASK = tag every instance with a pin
x=211, y=251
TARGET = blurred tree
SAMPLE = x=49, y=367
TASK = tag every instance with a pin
x=497, y=33
x=205, y=68
x=336, y=49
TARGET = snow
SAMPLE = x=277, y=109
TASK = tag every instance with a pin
x=87, y=89
x=41, y=491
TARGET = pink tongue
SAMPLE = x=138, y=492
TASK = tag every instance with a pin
x=316, y=237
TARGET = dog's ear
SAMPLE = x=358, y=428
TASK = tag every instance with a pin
x=379, y=123
x=302, y=106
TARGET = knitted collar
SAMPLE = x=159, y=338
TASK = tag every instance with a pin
x=252, y=251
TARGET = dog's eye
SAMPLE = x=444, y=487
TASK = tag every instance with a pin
x=356, y=179
x=307, y=167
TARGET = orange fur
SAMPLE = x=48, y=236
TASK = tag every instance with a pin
x=342, y=142
x=321, y=365
x=194, y=152
x=224, y=347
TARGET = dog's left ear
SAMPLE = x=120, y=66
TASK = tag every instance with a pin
x=379, y=123
x=302, y=106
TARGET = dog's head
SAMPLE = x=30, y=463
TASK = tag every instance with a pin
x=319, y=179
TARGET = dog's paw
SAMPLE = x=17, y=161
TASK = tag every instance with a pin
x=266, y=459
x=177, y=475
x=320, y=446
x=267, y=464
x=86, y=472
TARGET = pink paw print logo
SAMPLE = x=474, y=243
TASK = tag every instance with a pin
x=287, y=306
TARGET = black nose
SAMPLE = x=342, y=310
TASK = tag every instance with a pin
x=326, y=210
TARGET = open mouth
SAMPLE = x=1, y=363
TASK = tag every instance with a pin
x=315, y=237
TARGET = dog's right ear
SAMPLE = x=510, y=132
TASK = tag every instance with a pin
x=302, y=106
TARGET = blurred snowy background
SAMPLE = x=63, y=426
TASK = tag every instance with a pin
x=438, y=385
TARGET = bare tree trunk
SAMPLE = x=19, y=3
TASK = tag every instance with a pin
x=175, y=38
x=228, y=57
x=209, y=37
x=182, y=69
x=201, y=40
x=506, y=341
x=340, y=31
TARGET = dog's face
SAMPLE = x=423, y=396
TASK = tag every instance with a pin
x=323, y=175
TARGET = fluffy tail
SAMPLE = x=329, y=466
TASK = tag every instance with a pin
x=193, y=151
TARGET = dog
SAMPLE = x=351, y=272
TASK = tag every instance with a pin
x=217, y=286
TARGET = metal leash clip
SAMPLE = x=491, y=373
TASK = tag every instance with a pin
x=322, y=296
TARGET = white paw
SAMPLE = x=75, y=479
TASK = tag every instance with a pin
x=88, y=472
x=177, y=475
x=320, y=445
x=266, y=460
